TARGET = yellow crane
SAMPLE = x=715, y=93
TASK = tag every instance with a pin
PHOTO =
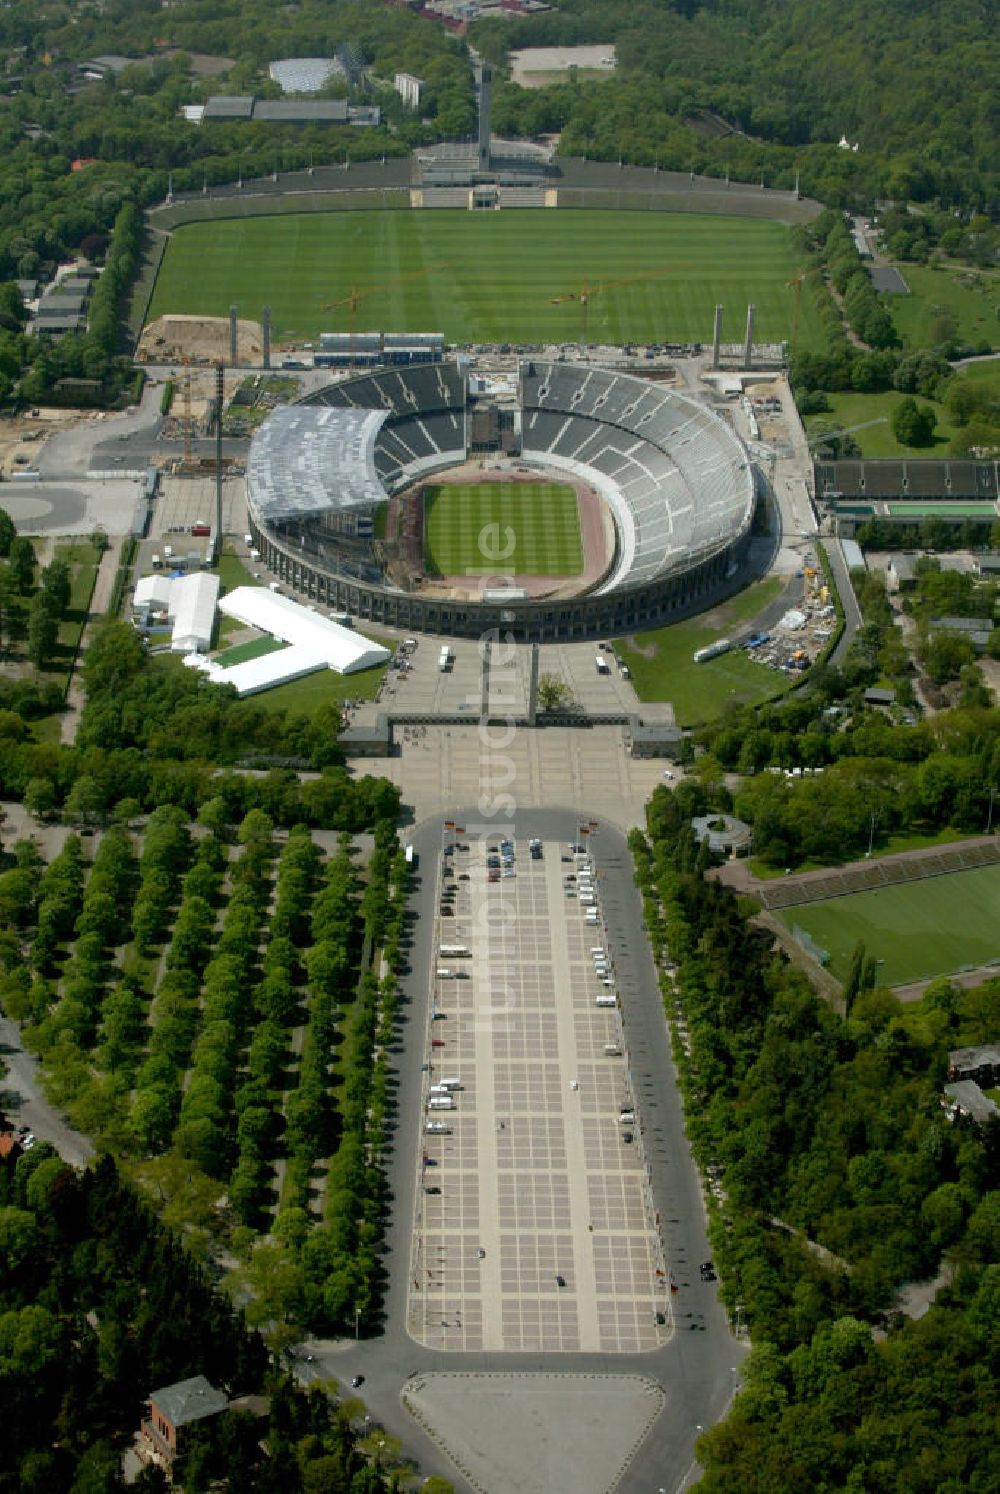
x=795, y=284
x=587, y=292
x=365, y=292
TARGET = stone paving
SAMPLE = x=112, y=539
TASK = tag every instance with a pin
x=533, y=1220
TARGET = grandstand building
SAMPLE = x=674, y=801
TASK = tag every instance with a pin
x=956, y=491
x=675, y=479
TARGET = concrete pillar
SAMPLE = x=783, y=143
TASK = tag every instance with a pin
x=266, y=339
x=220, y=382
x=484, y=682
x=717, y=337
x=748, y=345
x=234, y=342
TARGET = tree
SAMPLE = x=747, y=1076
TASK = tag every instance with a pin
x=911, y=425
x=553, y=693
x=43, y=630
x=8, y=533
x=22, y=564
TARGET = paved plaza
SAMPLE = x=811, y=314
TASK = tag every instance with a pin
x=534, y=1225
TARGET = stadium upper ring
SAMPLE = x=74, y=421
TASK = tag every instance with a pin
x=676, y=478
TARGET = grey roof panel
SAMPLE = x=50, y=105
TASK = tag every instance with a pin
x=189, y=1400
x=309, y=460
x=229, y=106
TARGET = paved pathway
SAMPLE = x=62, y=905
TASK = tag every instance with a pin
x=699, y=1368
x=23, y=1102
x=99, y=603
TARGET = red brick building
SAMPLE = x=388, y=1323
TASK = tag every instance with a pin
x=171, y=1410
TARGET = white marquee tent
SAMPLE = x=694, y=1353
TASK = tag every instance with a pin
x=314, y=643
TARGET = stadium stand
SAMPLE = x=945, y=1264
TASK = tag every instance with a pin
x=887, y=872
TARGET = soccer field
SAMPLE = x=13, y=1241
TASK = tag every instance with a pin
x=491, y=277
x=918, y=929
x=469, y=529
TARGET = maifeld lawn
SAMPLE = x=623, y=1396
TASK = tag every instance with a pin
x=491, y=276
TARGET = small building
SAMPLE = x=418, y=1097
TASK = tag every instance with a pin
x=10, y=1146
x=173, y=1408
x=877, y=696
x=968, y=1102
x=653, y=740
x=368, y=738
x=854, y=557
x=725, y=834
x=976, y=629
x=981, y=1064
x=409, y=89
x=187, y=602
x=986, y=565
x=900, y=573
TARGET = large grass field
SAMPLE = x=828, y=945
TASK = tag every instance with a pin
x=519, y=529
x=971, y=297
x=491, y=276
x=663, y=668
x=918, y=929
x=849, y=411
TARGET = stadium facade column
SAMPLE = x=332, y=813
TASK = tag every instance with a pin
x=234, y=346
x=266, y=336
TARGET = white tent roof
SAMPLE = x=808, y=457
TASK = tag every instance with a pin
x=316, y=642
x=255, y=675
x=153, y=591
x=189, y=602
x=192, y=606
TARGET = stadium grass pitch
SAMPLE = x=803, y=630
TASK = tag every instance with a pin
x=491, y=277
x=468, y=529
x=918, y=929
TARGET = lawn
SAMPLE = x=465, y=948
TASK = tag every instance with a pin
x=662, y=666
x=521, y=529
x=971, y=297
x=255, y=648
x=481, y=277
x=83, y=560
x=848, y=411
x=918, y=929
x=325, y=687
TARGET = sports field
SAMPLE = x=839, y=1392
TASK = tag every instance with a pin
x=918, y=929
x=518, y=529
x=491, y=277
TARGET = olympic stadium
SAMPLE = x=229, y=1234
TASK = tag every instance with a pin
x=668, y=486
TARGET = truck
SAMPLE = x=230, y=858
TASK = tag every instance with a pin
x=455, y=951
x=712, y=650
x=601, y=664
x=605, y=1000
x=440, y=1102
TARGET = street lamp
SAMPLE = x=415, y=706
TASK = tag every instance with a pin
x=357, y=1320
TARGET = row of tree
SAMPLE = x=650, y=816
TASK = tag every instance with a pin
x=827, y=1130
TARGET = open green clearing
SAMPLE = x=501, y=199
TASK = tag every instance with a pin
x=848, y=411
x=83, y=560
x=662, y=665
x=521, y=529
x=971, y=297
x=490, y=276
x=918, y=929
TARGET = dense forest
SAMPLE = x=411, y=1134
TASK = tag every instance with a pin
x=99, y=1307
x=836, y=1179
x=912, y=84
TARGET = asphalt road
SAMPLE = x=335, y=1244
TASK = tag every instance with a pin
x=22, y=1101
x=852, y=612
x=698, y=1368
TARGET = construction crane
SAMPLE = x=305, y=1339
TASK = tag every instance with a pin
x=823, y=436
x=367, y=291
x=188, y=422
x=796, y=285
x=587, y=292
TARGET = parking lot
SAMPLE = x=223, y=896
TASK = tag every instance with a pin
x=534, y=1227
